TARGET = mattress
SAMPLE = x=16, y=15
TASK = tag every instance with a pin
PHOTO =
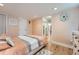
x=32, y=43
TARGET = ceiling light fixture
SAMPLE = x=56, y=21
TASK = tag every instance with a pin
x=1, y=4
x=55, y=8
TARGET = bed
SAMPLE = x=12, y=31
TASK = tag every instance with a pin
x=33, y=42
x=24, y=45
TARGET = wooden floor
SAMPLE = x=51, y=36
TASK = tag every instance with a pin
x=59, y=50
x=55, y=50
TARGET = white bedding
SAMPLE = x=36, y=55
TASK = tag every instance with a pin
x=40, y=38
x=32, y=41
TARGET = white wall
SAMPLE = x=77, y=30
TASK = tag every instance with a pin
x=12, y=25
x=23, y=26
x=73, y=21
x=16, y=26
x=62, y=31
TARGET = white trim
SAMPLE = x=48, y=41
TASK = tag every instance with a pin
x=62, y=44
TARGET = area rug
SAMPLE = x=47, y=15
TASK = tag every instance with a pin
x=44, y=52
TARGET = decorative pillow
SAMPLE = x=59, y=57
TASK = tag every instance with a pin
x=5, y=42
x=10, y=41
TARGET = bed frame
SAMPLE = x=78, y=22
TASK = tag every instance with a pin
x=35, y=51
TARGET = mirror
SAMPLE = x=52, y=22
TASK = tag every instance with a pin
x=47, y=26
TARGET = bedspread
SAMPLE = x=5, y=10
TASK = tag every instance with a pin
x=32, y=42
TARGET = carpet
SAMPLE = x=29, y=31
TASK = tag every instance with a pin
x=44, y=52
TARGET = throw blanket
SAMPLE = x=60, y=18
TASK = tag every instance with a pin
x=32, y=42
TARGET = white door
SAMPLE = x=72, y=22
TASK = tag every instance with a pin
x=22, y=26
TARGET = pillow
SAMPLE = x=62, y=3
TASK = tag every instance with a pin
x=10, y=41
x=3, y=43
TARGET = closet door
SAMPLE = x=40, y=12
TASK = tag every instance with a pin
x=2, y=24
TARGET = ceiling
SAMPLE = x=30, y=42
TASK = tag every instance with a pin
x=34, y=9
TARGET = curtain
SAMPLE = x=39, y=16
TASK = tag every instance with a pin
x=2, y=24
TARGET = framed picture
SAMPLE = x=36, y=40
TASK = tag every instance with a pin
x=64, y=16
x=13, y=21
